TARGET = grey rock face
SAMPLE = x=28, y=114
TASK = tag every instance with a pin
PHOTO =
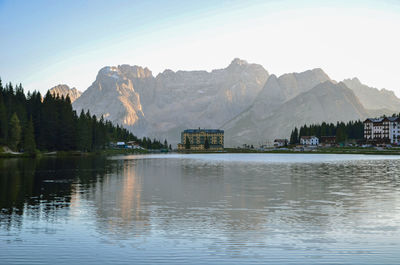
x=278, y=90
x=373, y=98
x=274, y=94
x=115, y=95
x=64, y=90
x=327, y=101
x=163, y=105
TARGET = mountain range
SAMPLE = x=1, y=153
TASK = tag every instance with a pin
x=251, y=105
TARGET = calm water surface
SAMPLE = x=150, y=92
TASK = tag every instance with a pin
x=201, y=209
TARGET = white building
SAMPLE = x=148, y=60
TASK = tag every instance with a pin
x=309, y=140
x=120, y=144
x=382, y=130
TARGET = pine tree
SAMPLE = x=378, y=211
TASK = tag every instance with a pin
x=66, y=125
x=3, y=121
x=84, y=132
x=340, y=133
x=294, y=137
x=50, y=125
x=206, y=143
x=29, y=138
x=14, y=132
x=187, y=143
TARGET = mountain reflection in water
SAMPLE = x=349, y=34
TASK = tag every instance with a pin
x=199, y=209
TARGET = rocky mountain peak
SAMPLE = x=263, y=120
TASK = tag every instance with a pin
x=373, y=98
x=125, y=71
x=61, y=87
x=237, y=64
x=238, y=61
x=135, y=71
x=318, y=71
x=272, y=78
x=166, y=72
x=64, y=90
x=353, y=80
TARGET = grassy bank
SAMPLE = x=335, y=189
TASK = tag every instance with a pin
x=106, y=152
x=110, y=152
x=8, y=155
x=332, y=150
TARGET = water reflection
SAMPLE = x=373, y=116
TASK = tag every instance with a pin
x=201, y=208
x=39, y=187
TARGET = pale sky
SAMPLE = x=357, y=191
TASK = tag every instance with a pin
x=45, y=43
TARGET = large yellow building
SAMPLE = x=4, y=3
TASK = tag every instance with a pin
x=197, y=140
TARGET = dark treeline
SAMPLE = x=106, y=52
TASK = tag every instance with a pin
x=342, y=131
x=30, y=122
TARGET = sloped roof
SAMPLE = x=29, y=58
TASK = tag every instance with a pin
x=392, y=119
x=308, y=137
x=203, y=130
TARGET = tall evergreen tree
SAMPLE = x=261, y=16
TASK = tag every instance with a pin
x=14, y=132
x=206, y=143
x=187, y=143
x=340, y=133
x=294, y=137
x=3, y=121
x=29, y=138
x=84, y=133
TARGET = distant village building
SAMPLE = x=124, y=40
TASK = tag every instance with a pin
x=328, y=140
x=267, y=144
x=280, y=142
x=126, y=145
x=309, y=140
x=382, y=130
x=120, y=144
x=197, y=140
x=133, y=145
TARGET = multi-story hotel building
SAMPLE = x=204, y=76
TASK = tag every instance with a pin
x=382, y=130
x=197, y=139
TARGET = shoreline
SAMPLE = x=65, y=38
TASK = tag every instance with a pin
x=111, y=152
x=338, y=151
x=106, y=152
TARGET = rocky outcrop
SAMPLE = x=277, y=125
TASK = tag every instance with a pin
x=373, y=98
x=64, y=91
x=115, y=95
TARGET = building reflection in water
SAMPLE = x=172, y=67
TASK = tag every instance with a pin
x=218, y=204
x=117, y=205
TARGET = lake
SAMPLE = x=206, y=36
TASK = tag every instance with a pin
x=201, y=209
